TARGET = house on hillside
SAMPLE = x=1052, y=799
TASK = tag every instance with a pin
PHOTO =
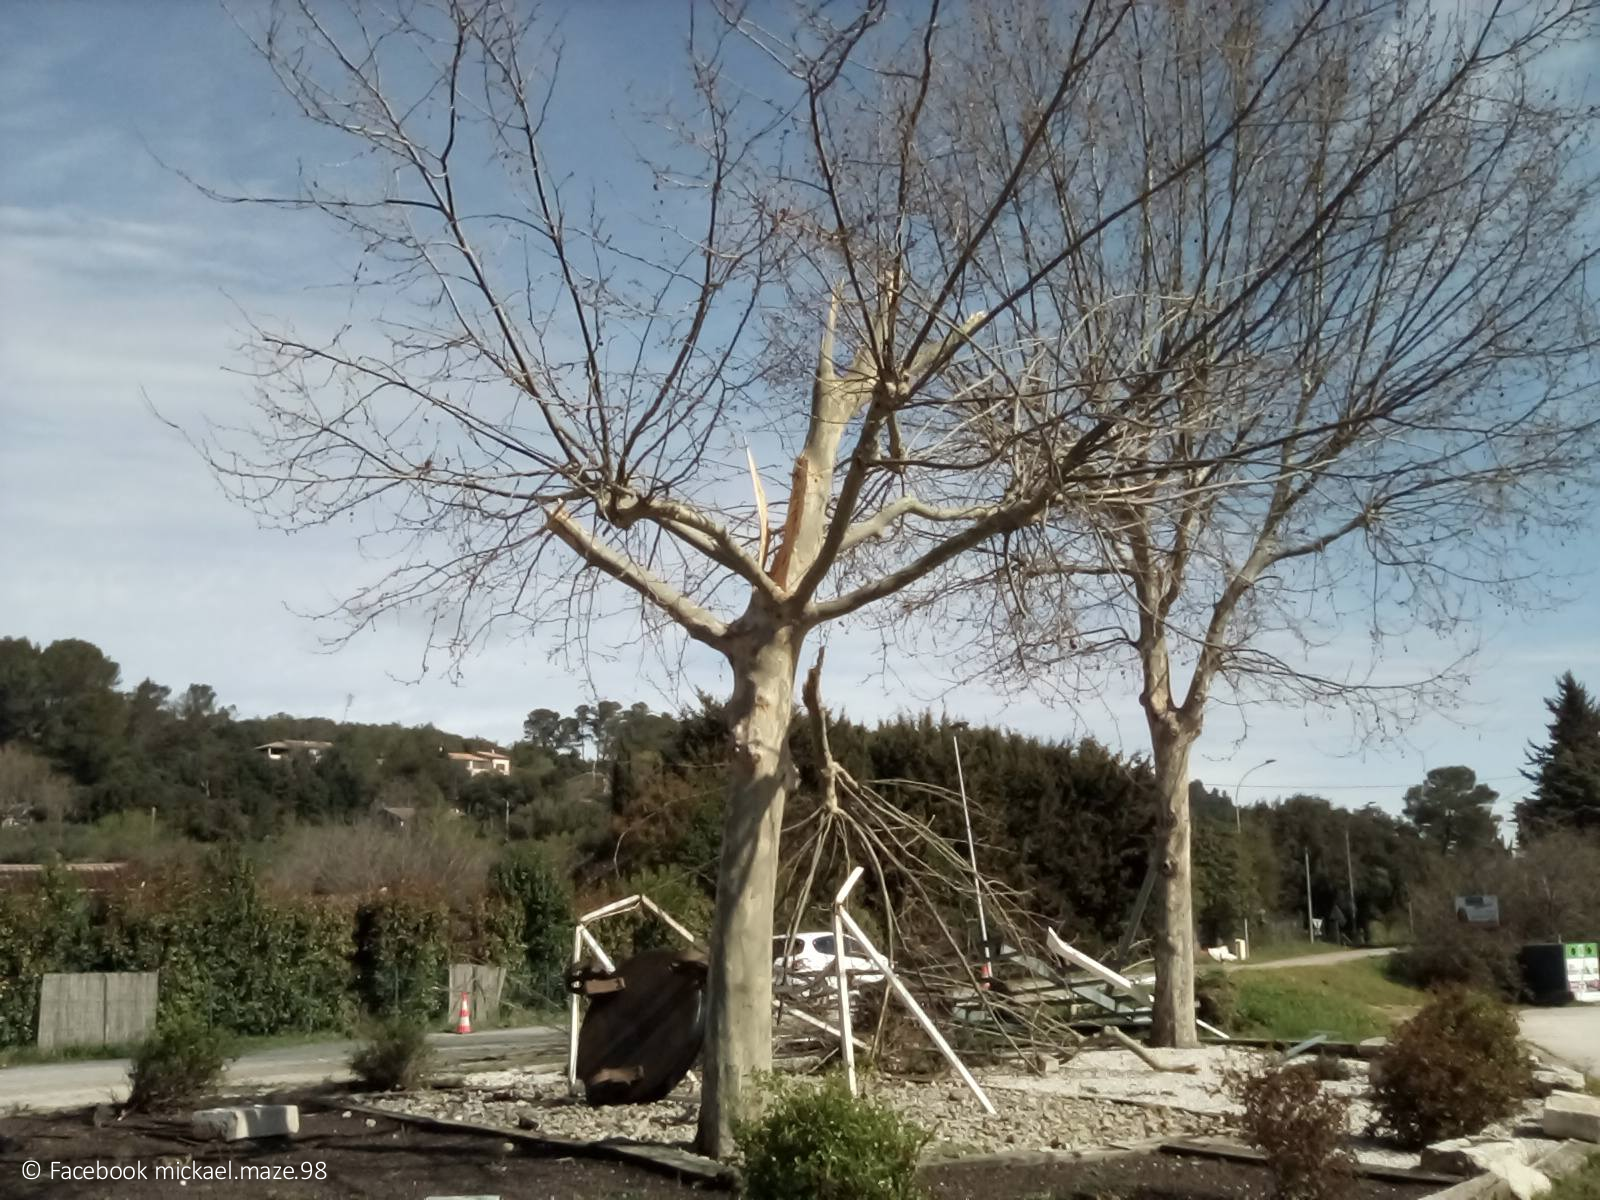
x=278, y=751
x=478, y=761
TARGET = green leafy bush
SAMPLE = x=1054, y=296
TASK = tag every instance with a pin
x=230, y=955
x=1298, y=1126
x=402, y=957
x=1457, y=955
x=821, y=1143
x=1450, y=1070
x=177, y=1064
x=394, y=1055
x=529, y=881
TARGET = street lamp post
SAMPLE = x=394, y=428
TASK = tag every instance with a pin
x=1238, y=830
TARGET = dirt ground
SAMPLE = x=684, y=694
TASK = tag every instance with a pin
x=1154, y=1176
x=337, y=1156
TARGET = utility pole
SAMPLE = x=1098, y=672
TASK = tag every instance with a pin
x=1311, y=929
x=1350, y=876
x=1238, y=830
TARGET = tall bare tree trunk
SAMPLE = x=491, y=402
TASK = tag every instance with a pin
x=739, y=1019
x=1173, y=1021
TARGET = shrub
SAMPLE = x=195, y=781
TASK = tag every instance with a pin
x=229, y=954
x=529, y=881
x=402, y=957
x=177, y=1064
x=824, y=1144
x=1218, y=999
x=394, y=1055
x=1457, y=955
x=678, y=893
x=1450, y=1070
x=1298, y=1126
x=1330, y=1068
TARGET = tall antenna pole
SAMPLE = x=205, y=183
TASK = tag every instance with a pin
x=972, y=857
x=1311, y=929
x=1350, y=876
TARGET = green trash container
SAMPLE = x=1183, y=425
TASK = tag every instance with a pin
x=1583, y=971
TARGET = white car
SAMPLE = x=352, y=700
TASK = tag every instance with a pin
x=810, y=963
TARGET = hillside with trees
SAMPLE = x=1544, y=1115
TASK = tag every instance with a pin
x=91, y=768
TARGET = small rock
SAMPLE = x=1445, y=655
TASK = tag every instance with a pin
x=371, y=1123
x=345, y=1114
x=527, y=1121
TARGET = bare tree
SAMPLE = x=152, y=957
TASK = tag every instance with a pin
x=31, y=787
x=1378, y=412
x=551, y=398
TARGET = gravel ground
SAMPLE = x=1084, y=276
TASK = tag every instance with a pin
x=1027, y=1118
x=1098, y=1098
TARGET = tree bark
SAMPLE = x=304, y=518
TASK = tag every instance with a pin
x=1173, y=1020
x=738, y=1039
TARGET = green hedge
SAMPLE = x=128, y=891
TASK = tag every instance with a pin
x=402, y=957
x=236, y=957
x=528, y=882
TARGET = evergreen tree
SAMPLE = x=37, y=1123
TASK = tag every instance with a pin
x=1453, y=811
x=1565, y=771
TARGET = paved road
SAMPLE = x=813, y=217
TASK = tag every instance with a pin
x=1571, y=1034
x=78, y=1084
x=1315, y=960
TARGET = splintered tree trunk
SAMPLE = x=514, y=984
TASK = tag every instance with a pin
x=1173, y=1022
x=738, y=1039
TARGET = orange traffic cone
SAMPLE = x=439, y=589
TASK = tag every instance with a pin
x=464, y=1020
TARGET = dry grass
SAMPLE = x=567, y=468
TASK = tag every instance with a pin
x=438, y=855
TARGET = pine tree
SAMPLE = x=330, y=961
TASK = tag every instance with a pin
x=1453, y=811
x=1566, y=770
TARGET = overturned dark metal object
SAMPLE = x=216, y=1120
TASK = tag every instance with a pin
x=644, y=1028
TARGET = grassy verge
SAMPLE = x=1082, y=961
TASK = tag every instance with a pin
x=1276, y=951
x=1348, y=1001
x=1582, y=1184
x=26, y=1056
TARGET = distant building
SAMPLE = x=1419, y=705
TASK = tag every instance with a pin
x=400, y=815
x=478, y=761
x=278, y=751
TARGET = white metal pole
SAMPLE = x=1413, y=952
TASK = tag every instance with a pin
x=972, y=857
x=575, y=1013
x=1238, y=831
x=922, y=1017
x=846, y=1043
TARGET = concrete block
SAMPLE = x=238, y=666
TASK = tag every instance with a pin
x=1471, y=1156
x=247, y=1121
x=1524, y=1182
x=1569, y=1115
x=1556, y=1079
x=1507, y=1159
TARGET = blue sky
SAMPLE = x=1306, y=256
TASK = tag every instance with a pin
x=118, y=281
